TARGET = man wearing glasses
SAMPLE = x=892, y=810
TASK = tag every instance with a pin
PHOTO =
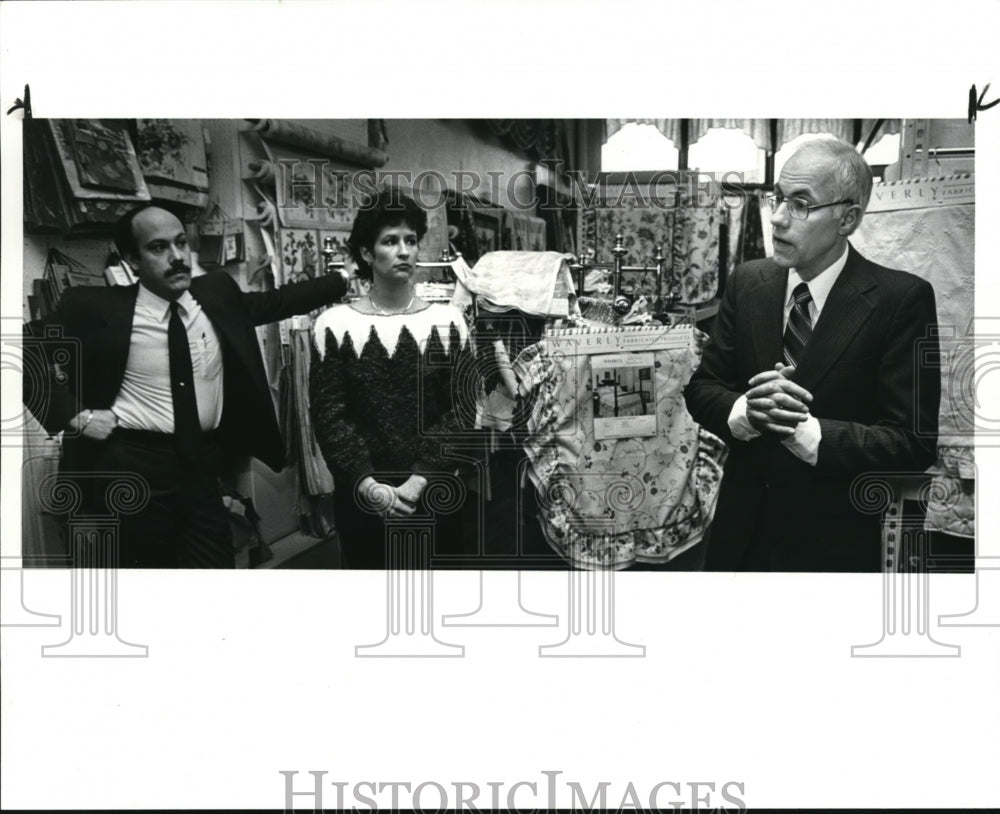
x=811, y=377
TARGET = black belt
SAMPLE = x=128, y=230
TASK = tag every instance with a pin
x=157, y=439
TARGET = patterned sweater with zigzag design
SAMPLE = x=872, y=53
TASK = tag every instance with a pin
x=383, y=390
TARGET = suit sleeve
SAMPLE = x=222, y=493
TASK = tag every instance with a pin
x=714, y=387
x=904, y=437
x=295, y=298
x=51, y=360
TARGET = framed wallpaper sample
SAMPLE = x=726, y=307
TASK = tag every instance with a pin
x=299, y=250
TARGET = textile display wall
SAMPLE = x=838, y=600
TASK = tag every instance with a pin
x=86, y=173
x=304, y=199
x=303, y=209
x=79, y=173
x=296, y=228
x=301, y=164
x=642, y=227
x=688, y=234
x=311, y=155
x=927, y=227
x=172, y=156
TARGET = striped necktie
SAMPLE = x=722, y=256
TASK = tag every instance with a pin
x=799, y=327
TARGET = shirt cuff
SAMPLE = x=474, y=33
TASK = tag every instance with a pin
x=804, y=444
x=739, y=424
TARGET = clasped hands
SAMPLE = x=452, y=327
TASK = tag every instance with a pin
x=776, y=404
x=393, y=501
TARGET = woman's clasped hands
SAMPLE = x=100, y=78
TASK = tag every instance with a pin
x=392, y=501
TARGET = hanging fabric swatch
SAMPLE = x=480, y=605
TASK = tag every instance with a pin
x=315, y=476
x=696, y=248
x=523, y=232
x=752, y=245
x=645, y=492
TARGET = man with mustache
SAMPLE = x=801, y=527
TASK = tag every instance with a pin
x=170, y=384
x=813, y=377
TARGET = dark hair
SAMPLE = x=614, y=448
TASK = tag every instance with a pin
x=123, y=233
x=387, y=207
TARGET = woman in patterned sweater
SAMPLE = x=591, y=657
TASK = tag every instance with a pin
x=386, y=389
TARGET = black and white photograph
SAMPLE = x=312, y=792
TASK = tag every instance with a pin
x=666, y=398
x=341, y=384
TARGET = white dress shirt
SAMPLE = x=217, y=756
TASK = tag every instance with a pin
x=145, y=401
x=804, y=444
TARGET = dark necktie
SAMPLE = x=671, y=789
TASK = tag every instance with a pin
x=187, y=425
x=799, y=327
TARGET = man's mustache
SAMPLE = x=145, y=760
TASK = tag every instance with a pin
x=179, y=268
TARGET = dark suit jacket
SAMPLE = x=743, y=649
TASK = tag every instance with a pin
x=83, y=364
x=871, y=366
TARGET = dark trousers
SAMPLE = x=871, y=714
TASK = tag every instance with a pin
x=184, y=524
x=362, y=538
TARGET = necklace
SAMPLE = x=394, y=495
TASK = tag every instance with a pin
x=385, y=313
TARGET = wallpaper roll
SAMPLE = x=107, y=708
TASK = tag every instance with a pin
x=262, y=172
x=306, y=138
x=304, y=205
x=266, y=213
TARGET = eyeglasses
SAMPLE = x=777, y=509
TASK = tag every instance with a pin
x=797, y=208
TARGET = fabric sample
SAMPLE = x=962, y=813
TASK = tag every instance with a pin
x=642, y=227
x=537, y=283
x=313, y=472
x=696, y=249
x=611, y=503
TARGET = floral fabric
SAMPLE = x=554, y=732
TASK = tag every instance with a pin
x=951, y=499
x=696, y=250
x=642, y=229
x=611, y=503
x=688, y=236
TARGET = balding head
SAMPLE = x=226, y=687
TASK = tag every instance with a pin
x=850, y=173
